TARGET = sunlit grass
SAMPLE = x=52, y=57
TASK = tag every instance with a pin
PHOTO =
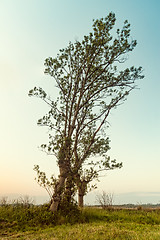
x=94, y=231
x=37, y=222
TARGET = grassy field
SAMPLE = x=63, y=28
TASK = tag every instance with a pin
x=36, y=222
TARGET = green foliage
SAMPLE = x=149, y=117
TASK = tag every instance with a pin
x=70, y=210
x=44, y=182
x=20, y=217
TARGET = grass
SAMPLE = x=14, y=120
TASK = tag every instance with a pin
x=36, y=222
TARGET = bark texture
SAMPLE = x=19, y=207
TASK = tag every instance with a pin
x=80, y=198
x=58, y=191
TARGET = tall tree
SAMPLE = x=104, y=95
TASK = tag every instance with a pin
x=90, y=86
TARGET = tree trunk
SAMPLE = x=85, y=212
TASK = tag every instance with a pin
x=80, y=197
x=82, y=187
x=58, y=191
x=69, y=189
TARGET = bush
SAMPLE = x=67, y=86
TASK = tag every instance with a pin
x=24, y=216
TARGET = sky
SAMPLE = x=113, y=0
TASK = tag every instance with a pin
x=31, y=31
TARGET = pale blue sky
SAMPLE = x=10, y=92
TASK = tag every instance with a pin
x=32, y=30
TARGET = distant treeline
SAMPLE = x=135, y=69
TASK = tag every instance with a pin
x=130, y=205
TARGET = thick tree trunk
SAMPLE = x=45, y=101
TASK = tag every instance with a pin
x=80, y=197
x=54, y=204
x=82, y=186
x=69, y=189
x=58, y=191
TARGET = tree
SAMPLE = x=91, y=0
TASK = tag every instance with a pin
x=90, y=86
x=105, y=200
x=85, y=176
